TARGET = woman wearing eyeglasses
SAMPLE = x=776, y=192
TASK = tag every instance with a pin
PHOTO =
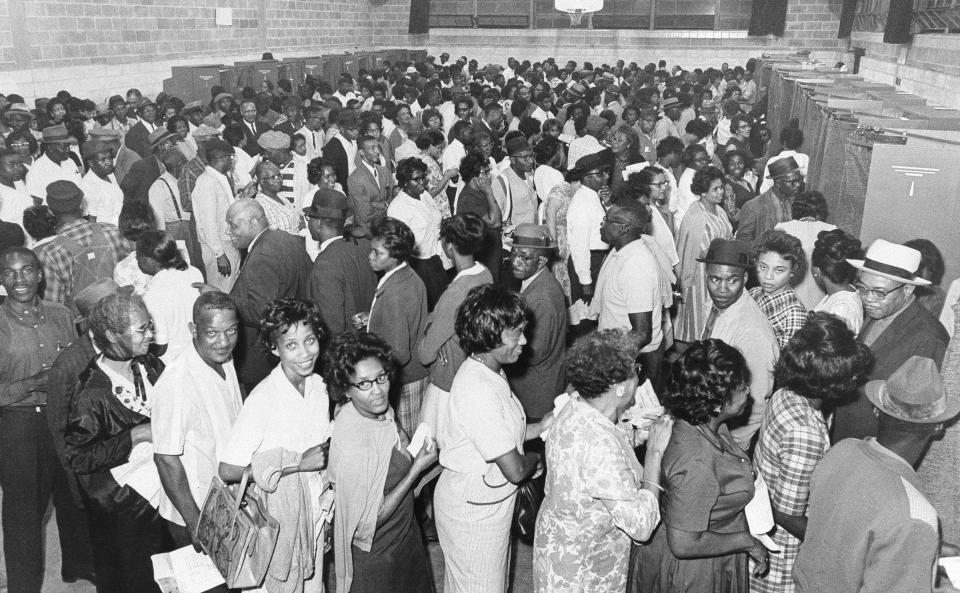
x=108, y=424
x=377, y=541
x=281, y=214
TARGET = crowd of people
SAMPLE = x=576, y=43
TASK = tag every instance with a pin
x=396, y=306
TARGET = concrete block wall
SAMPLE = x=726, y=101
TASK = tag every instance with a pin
x=811, y=24
x=929, y=66
x=99, y=47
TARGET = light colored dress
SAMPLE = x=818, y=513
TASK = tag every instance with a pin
x=473, y=501
x=564, y=193
x=282, y=216
x=594, y=506
x=127, y=273
x=698, y=228
x=846, y=305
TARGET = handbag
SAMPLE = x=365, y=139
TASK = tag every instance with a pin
x=237, y=533
x=529, y=498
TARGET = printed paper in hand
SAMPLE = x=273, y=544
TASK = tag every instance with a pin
x=140, y=473
x=760, y=514
x=185, y=571
x=419, y=438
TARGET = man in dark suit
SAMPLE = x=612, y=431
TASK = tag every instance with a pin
x=276, y=265
x=342, y=148
x=136, y=184
x=370, y=185
x=342, y=283
x=540, y=376
x=253, y=127
x=138, y=138
x=895, y=327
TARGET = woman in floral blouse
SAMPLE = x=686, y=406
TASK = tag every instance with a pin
x=598, y=497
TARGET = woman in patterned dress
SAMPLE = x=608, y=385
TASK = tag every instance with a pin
x=819, y=367
x=781, y=263
x=556, y=219
x=598, y=497
x=705, y=221
x=281, y=214
x=431, y=144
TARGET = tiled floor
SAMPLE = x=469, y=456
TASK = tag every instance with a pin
x=521, y=580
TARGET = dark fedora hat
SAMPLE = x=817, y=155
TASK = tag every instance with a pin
x=328, y=203
x=783, y=167
x=728, y=252
x=597, y=160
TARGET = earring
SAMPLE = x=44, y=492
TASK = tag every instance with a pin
x=621, y=390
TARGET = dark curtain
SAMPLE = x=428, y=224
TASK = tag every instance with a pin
x=847, y=12
x=419, y=17
x=768, y=16
x=898, y=22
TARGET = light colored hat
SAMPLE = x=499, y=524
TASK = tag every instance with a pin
x=18, y=109
x=533, y=235
x=57, y=133
x=159, y=135
x=914, y=393
x=274, y=140
x=192, y=106
x=892, y=261
x=102, y=109
x=205, y=132
x=222, y=96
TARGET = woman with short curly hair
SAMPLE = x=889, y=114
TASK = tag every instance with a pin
x=596, y=486
x=704, y=542
x=482, y=434
x=377, y=541
x=780, y=265
x=818, y=368
x=287, y=415
x=703, y=222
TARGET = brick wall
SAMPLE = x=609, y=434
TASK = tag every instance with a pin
x=102, y=46
x=929, y=66
x=811, y=24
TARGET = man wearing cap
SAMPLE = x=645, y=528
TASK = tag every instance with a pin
x=631, y=291
x=895, y=327
x=584, y=218
x=82, y=251
x=513, y=187
x=211, y=197
x=14, y=198
x=540, y=375
x=138, y=138
x=143, y=173
x=773, y=206
x=734, y=317
x=342, y=149
x=223, y=104
x=164, y=199
x=646, y=123
x=104, y=198
x=57, y=162
x=667, y=125
x=869, y=526
x=33, y=332
x=276, y=266
x=342, y=283
x=18, y=117
x=120, y=122
x=123, y=157
x=197, y=401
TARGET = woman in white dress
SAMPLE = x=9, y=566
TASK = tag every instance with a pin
x=834, y=276
x=481, y=445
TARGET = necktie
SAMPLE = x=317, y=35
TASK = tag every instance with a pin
x=376, y=175
x=711, y=320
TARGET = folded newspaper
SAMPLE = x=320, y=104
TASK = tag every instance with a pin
x=140, y=473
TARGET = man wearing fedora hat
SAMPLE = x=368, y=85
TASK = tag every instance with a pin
x=870, y=527
x=734, y=317
x=342, y=283
x=667, y=125
x=895, y=327
x=513, y=187
x=104, y=198
x=136, y=184
x=584, y=219
x=766, y=211
x=138, y=138
x=57, y=162
x=540, y=375
x=17, y=116
x=123, y=157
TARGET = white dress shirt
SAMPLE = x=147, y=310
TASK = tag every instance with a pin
x=423, y=219
x=584, y=217
x=13, y=201
x=315, y=142
x=103, y=197
x=43, y=172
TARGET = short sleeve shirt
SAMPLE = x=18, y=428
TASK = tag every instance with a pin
x=629, y=282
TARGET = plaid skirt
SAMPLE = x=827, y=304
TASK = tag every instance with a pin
x=407, y=407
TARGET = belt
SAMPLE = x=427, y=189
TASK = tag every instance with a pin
x=22, y=409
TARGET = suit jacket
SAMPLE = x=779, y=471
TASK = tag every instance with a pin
x=125, y=160
x=915, y=332
x=342, y=283
x=399, y=316
x=337, y=155
x=760, y=214
x=368, y=199
x=540, y=375
x=138, y=140
x=136, y=184
x=251, y=147
x=276, y=266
